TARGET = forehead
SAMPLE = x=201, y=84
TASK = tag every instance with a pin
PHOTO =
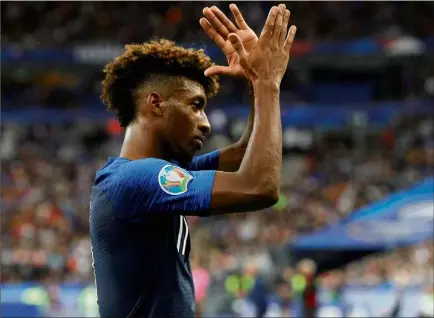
x=189, y=89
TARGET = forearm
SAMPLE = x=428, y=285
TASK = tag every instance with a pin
x=244, y=140
x=255, y=185
x=263, y=157
x=230, y=157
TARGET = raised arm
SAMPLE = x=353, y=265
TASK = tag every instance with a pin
x=230, y=157
x=256, y=184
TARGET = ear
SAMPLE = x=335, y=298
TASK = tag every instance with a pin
x=156, y=102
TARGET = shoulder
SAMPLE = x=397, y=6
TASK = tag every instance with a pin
x=142, y=167
x=148, y=173
x=156, y=168
x=126, y=182
x=121, y=168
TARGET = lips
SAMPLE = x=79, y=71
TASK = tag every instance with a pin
x=200, y=138
x=200, y=141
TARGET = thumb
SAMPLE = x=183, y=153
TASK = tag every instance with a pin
x=237, y=44
x=217, y=70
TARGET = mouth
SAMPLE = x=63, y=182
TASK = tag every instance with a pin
x=199, y=141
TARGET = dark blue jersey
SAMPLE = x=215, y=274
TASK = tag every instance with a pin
x=140, y=237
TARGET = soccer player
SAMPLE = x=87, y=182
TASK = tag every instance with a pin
x=140, y=237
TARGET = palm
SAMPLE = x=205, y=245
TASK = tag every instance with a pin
x=218, y=27
x=249, y=39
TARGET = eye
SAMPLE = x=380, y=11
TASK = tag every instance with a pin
x=198, y=104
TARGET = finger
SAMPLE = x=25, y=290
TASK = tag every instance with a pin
x=218, y=70
x=224, y=19
x=279, y=23
x=267, y=31
x=284, y=31
x=237, y=44
x=239, y=19
x=212, y=33
x=217, y=25
x=290, y=38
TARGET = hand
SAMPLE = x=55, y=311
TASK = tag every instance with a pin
x=218, y=27
x=269, y=58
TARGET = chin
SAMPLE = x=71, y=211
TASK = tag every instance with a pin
x=190, y=158
x=186, y=158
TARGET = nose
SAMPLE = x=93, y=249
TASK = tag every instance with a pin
x=204, y=125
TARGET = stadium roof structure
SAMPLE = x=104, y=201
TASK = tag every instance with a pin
x=404, y=218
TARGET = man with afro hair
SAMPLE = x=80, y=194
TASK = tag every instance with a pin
x=159, y=91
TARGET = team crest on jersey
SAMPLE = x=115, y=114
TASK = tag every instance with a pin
x=174, y=180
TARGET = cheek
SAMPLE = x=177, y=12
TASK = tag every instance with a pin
x=186, y=121
x=181, y=124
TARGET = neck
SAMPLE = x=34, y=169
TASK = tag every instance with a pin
x=140, y=142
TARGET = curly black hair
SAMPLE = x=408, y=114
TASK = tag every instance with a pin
x=138, y=62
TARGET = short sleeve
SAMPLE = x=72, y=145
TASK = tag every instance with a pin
x=152, y=186
x=209, y=161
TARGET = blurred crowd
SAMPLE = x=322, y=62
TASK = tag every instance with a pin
x=36, y=24
x=57, y=24
x=48, y=169
x=332, y=182
x=47, y=172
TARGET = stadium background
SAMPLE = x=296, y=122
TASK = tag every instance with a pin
x=358, y=117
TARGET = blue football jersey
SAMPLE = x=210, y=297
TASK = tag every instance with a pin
x=140, y=236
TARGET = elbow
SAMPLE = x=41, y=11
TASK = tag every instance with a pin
x=273, y=197
x=259, y=193
x=270, y=193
